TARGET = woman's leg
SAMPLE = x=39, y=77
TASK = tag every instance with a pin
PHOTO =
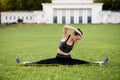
x=77, y=62
x=46, y=61
x=62, y=61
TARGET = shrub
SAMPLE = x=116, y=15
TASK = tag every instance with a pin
x=20, y=20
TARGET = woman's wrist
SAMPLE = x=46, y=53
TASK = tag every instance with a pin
x=70, y=27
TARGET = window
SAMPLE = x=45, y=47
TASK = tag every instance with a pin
x=72, y=19
x=55, y=19
x=89, y=13
x=63, y=19
x=89, y=19
x=26, y=18
x=31, y=17
x=6, y=17
x=80, y=19
x=14, y=17
x=10, y=17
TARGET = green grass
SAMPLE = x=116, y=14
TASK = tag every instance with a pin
x=34, y=42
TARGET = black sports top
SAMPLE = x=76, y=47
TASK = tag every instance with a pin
x=63, y=46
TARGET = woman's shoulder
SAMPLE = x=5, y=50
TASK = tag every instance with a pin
x=65, y=38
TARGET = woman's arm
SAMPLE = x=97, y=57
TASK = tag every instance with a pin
x=68, y=27
x=65, y=30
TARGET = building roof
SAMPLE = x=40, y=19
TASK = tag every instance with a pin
x=72, y=1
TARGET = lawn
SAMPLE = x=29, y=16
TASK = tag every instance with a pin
x=33, y=42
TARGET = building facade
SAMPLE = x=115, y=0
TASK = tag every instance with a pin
x=64, y=12
x=72, y=11
x=26, y=16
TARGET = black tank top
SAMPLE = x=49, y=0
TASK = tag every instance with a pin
x=63, y=46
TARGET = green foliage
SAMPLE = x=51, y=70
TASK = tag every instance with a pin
x=36, y=42
x=110, y=4
x=20, y=21
x=0, y=6
x=6, y=5
x=22, y=4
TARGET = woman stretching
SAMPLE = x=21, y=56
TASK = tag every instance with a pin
x=63, y=56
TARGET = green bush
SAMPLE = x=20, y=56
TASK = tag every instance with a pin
x=20, y=21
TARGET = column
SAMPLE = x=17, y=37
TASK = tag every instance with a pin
x=75, y=16
x=84, y=16
x=60, y=16
x=67, y=16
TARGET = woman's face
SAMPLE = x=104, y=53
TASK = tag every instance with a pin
x=76, y=38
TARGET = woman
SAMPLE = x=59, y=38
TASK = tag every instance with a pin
x=63, y=56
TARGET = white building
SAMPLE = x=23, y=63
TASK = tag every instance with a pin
x=72, y=11
x=110, y=17
x=26, y=16
x=64, y=11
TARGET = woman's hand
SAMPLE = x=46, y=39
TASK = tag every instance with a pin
x=66, y=27
x=69, y=27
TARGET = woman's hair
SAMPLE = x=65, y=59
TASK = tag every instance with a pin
x=76, y=33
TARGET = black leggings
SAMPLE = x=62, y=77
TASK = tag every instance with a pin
x=62, y=60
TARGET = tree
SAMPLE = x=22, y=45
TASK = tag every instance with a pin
x=110, y=4
x=8, y=5
x=1, y=6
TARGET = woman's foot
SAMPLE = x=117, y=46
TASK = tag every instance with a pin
x=105, y=61
x=102, y=62
x=18, y=60
x=21, y=63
